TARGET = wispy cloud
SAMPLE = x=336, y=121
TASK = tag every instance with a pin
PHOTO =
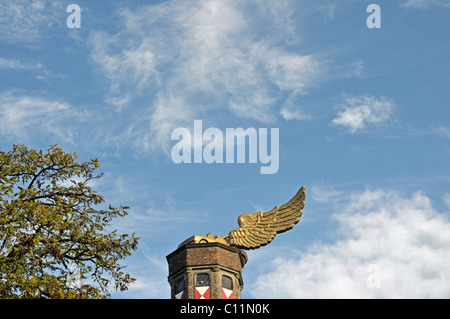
x=291, y=110
x=148, y=284
x=38, y=70
x=329, y=10
x=197, y=58
x=424, y=4
x=446, y=199
x=23, y=116
x=326, y=194
x=442, y=131
x=23, y=21
x=362, y=111
x=391, y=246
x=14, y=64
x=289, y=113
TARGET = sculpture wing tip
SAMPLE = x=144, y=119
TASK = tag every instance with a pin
x=259, y=229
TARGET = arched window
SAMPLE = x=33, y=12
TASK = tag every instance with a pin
x=227, y=282
x=202, y=280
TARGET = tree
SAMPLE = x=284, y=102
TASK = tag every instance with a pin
x=55, y=232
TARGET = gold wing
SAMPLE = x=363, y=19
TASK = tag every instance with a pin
x=259, y=229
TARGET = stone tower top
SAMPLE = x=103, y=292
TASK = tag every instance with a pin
x=206, y=271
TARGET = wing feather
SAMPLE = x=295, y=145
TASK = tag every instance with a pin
x=259, y=229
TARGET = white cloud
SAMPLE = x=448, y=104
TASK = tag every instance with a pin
x=292, y=114
x=446, y=199
x=26, y=21
x=14, y=64
x=356, y=69
x=362, y=111
x=391, y=247
x=442, y=131
x=291, y=110
x=37, y=69
x=169, y=112
x=329, y=11
x=205, y=57
x=129, y=67
x=326, y=194
x=25, y=116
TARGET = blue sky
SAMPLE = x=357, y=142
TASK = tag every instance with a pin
x=363, y=116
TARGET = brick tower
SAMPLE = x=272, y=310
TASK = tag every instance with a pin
x=210, y=267
x=206, y=270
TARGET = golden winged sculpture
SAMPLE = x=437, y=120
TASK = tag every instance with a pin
x=259, y=229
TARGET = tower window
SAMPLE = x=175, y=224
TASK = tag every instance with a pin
x=227, y=282
x=202, y=280
x=179, y=285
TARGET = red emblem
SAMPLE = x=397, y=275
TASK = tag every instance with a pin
x=227, y=293
x=202, y=292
